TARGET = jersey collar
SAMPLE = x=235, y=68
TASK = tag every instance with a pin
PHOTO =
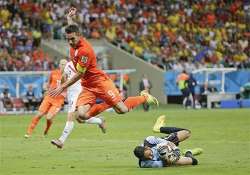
x=80, y=42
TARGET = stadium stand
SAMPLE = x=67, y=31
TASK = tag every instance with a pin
x=170, y=35
x=154, y=30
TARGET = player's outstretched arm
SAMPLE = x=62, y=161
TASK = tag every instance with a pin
x=64, y=78
x=71, y=81
x=70, y=15
x=60, y=89
x=184, y=161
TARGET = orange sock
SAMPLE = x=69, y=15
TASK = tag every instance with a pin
x=132, y=102
x=32, y=125
x=48, y=125
x=97, y=109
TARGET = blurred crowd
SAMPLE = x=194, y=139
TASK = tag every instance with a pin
x=170, y=34
x=20, y=37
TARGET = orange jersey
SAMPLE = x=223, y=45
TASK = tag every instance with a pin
x=83, y=57
x=55, y=79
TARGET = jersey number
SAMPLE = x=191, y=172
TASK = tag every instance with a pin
x=111, y=94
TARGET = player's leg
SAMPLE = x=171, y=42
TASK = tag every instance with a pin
x=176, y=135
x=54, y=109
x=85, y=102
x=85, y=116
x=97, y=109
x=110, y=94
x=66, y=131
x=133, y=102
x=120, y=107
x=43, y=109
x=184, y=96
x=72, y=99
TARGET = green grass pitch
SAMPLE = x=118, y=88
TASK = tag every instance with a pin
x=224, y=136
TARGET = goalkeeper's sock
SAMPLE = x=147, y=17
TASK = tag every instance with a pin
x=66, y=131
x=132, y=102
x=94, y=120
x=169, y=130
x=48, y=125
x=32, y=125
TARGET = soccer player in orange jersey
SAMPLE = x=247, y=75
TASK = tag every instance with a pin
x=50, y=106
x=96, y=83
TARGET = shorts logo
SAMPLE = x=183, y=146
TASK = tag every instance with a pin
x=84, y=59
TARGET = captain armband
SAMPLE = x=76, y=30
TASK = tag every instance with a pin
x=80, y=68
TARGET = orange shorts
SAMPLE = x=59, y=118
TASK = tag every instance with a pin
x=104, y=90
x=51, y=105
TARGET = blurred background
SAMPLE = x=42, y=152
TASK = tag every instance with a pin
x=194, y=53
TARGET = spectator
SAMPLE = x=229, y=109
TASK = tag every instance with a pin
x=6, y=99
x=30, y=99
x=145, y=84
x=160, y=32
x=182, y=82
x=245, y=91
x=192, y=83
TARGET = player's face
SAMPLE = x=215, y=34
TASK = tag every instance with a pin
x=73, y=39
x=148, y=154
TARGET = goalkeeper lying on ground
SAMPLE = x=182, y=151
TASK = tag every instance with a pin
x=157, y=152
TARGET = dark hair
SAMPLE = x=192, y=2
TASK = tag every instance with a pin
x=72, y=28
x=139, y=152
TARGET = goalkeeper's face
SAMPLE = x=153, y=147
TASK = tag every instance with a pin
x=148, y=154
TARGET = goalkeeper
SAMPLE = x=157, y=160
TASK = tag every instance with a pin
x=157, y=152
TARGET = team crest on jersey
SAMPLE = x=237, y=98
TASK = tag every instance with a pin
x=84, y=59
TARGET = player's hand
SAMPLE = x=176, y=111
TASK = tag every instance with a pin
x=55, y=92
x=71, y=13
x=174, y=156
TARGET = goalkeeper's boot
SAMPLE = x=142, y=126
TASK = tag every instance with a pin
x=160, y=122
x=103, y=126
x=195, y=151
x=57, y=143
x=149, y=98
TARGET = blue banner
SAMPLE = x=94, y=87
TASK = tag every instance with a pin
x=20, y=83
x=233, y=81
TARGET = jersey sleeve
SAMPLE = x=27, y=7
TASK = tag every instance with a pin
x=154, y=140
x=66, y=70
x=152, y=164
